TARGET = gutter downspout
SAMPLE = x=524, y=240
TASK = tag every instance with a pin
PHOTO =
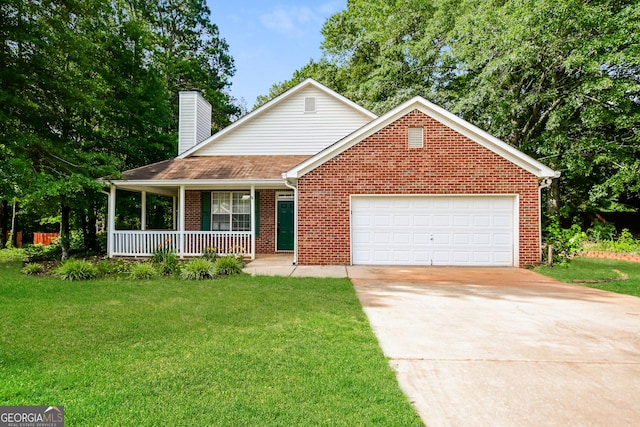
x=295, y=218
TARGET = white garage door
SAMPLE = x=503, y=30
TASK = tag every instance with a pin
x=433, y=230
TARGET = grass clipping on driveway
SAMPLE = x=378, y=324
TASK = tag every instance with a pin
x=236, y=351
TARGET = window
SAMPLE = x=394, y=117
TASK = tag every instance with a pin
x=230, y=211
x=416, y=137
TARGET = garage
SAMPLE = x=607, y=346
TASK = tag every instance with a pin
x=434, y=230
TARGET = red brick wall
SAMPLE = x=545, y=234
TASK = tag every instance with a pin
x=266, y=241
x=449, y=163
x=192, y=210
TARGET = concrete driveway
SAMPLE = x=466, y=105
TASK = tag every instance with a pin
x=505, y=346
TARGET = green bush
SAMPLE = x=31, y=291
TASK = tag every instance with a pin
x=33, y=269
x=162, y=253
x=601, y=231
x=198, y=269
x=142, y=271
x=169, y=264
x=111, y=267
x=625, y=242
x=228, y=265
x=210, y=254
x=76, y=269
x=11, y=254
x=567, y=242
x=39, y=253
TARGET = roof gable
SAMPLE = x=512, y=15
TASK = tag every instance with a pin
x=441, y=115
x=283, y=127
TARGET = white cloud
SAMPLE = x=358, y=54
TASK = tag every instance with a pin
x=294, y=21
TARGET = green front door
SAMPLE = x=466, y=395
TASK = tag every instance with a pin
x=284, y=232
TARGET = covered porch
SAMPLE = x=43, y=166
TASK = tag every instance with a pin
x=180, y=238
x=215, y=203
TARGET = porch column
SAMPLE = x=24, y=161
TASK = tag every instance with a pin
x=111, y=221
x=181, y=198
x=253, y=222
x=173, y=212
x=143, y=212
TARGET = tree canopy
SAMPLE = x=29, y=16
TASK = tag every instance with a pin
x=558, y=80
x=89, y=88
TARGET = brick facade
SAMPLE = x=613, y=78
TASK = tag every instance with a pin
x=192, y=210
x=266, y=240
x=449, y=163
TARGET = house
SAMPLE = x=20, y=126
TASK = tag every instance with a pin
x=313, y=174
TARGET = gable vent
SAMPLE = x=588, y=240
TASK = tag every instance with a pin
x=416, y=137
x=310, y=104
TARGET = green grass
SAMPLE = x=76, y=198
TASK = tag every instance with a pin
x=583, y=268
x=235, y=351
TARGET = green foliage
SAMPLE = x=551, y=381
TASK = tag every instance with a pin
x=601, y=231
x=76, y=269
x=161, y=253
x=12, y=254
x=33, y=268
x=142, y=271
x=560, y=81
x=625, y=242
x=39, y=253
x=198, y=269
x=228, y=265
x=111, y=267
x=166, y=261
x=210, y=254
x=566, y=242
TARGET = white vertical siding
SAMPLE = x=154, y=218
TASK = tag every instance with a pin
x=194, y=124
x=287, y=129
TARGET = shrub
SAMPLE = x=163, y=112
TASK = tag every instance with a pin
x=567, y=242
x=33, y=269
x=142, y=271
x=210, y=254
x=76, y=269
x=228, y=265
x=109, y=267
x=39, y=253
x=170, y=264
x=198, y=269
x=601, y=231
x=11, y=254
x=625, y=242
x=162, y=253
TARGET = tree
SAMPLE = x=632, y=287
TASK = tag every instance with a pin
x=89, y=88
x=560, y=81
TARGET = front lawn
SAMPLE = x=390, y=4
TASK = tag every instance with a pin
x=234, y=351
x=595, y=269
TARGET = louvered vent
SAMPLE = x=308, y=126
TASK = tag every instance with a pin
x=310, y=104
x=416, y=137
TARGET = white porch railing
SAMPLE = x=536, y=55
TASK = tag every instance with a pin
x=145, y=243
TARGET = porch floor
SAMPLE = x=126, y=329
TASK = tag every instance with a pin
x=282, y=265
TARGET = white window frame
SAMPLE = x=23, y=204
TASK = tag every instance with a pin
x=232, y=208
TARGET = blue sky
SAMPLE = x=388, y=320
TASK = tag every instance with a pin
x=269, y=40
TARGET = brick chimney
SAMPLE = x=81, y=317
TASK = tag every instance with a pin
x=194, y=120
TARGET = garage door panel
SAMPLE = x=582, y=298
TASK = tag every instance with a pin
x=433, y=230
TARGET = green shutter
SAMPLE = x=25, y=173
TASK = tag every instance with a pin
x=205, y=211
x=257, y=218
